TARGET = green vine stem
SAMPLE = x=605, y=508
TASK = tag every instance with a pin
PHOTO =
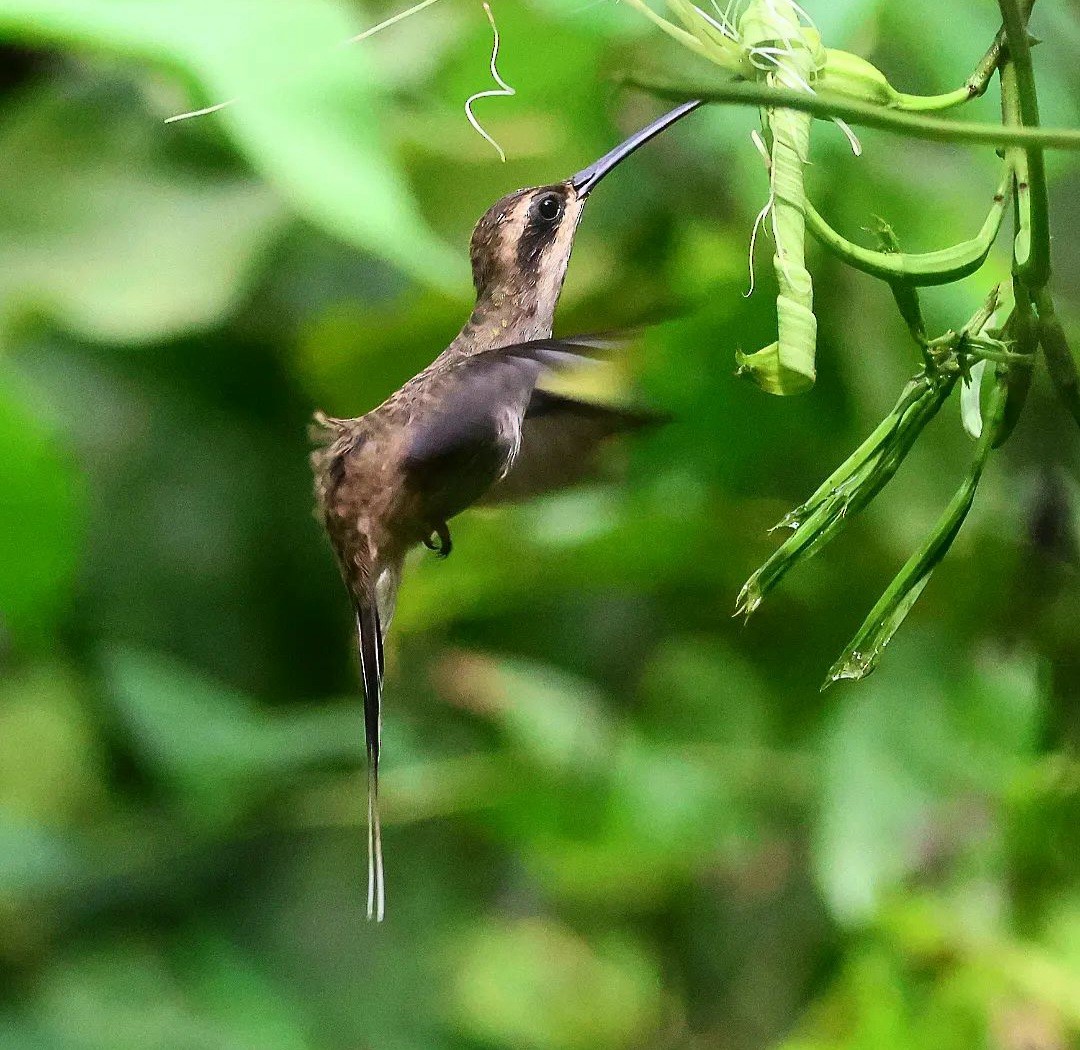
x=1022, y=335
x=850, y=488
x=1013, y=323
x=1059, y=359
x=984, y=72
x=1032, y=250
x=869, y=469
x=863, y=114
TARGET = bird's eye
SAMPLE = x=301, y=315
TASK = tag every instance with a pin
x=549, y=208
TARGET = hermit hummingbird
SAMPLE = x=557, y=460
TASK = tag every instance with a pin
x=473, y=425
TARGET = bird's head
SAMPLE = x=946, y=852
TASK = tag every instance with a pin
x=521, y=246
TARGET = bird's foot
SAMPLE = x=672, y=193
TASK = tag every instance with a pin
x=439, y=541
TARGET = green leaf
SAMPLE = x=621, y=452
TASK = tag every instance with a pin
x=536, y=984
x=106, y=238
x=898, y=753
x=51, y=765
x=41, y=519
x=307, y=111
x=33, y=859
x=212, y=745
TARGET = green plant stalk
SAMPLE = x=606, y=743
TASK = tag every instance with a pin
x=1033, y=254
x=863, y=114
x=1023, y=334
x=865, y=649
x=979, y=80
x=924, y=268
x=1060, y=362
x=930, y=103
x=906, y=297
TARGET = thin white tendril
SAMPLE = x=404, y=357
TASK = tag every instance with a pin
x=803, y=14
x=721, y=27
x=759, y=145
x=853, y=139
x=504, y=90
x=771, y=54
x=731, y=12
x=200, y=112
x=385, y=24
x=758, y=221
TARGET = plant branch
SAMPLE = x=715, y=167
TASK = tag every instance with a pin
x=864, y=114
x=980, y=79
x=1032, y=254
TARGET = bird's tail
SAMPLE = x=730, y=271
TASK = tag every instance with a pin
x=370, y=636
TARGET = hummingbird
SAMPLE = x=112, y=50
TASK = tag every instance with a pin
x=473, y=426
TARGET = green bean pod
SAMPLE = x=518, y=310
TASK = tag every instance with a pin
x=849, y=489
x=861, y=655
x=920, y=269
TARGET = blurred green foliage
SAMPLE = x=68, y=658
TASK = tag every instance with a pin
x=616, y=818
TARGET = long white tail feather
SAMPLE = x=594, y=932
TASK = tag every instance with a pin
x=369, y=632
x=376, y=902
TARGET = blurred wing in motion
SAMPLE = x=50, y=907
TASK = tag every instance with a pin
x=474, y=421
x=561, y=443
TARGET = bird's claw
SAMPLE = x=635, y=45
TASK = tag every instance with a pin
x=439, y=541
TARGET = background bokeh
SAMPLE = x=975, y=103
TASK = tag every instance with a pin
x=616, y=817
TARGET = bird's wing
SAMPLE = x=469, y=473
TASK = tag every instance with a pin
x=484, y=402
x=467, y=430
x=469, y=397
x=561, y=442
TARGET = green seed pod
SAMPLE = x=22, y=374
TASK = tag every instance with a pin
x=918, y=269
x=849, y=75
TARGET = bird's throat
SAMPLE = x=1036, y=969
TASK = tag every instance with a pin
x=505, y=316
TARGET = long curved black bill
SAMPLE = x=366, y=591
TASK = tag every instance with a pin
x=587, y=178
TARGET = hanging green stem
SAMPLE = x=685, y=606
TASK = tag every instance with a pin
x=850, y=488
x=865, y=649
x=1020, y=330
